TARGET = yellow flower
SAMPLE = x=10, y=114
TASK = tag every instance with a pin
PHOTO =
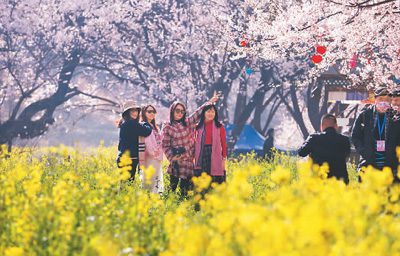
x=197, y=197
x=374, y=203
x=280, y=176
x=374, y=179
x=201, y=183
x=103, y=180
x=125, y=160
x=148, y=174
x=102, y=246
x=256, y=213
x=14, y=251
x=255, y=169
x=304, y=168
x=323, y=171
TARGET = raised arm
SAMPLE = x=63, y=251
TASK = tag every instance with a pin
x=357, y=135
x=194, y=118
x=305, y=149
x=144, y=129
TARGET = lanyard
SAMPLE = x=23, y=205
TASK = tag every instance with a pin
x=380, y=128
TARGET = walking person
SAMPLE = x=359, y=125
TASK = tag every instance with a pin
x=328, y=146
x=130, y=131
x=268, y=144
x=153, y=153
x=210, y=145
x=374, y=134
x=178, y=144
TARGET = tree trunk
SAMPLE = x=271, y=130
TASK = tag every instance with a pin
x=241, y=99
x=255, y=100
x=23, y=126
x=295, y=110
x=313, y=100
x=275, y=106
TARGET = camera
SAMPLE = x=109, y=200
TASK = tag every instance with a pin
x=178, y=151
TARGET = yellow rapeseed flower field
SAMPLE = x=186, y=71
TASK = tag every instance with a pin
x=65, y=201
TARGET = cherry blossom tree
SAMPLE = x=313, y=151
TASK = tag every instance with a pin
x=360, y=37
x=303, y=38
x=86, y=54
x=94, y=55
x=42, y=44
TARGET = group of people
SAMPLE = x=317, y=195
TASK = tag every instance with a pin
x=375, y=135
x=197, y=143
x=192, y=144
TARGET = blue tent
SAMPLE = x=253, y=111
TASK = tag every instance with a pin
x=248, y=140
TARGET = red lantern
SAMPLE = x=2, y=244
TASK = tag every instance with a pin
x=243, y=43
x=353, y=61
x=316, y=58
x=321, y=49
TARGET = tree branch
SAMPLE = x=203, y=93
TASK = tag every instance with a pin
x=113, y=103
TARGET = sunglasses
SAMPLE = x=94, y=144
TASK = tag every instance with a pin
x=151, y=111
x=179, y=111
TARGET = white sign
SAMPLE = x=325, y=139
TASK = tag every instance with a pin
x=342, y=121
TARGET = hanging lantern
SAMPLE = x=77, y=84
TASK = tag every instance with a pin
x=316, y=58
x=353, y=61
x=321, y=49
x=243, y=43
x=249, y=71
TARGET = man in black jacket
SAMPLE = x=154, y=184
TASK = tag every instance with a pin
x=395, y=104
x=375, y=134
x=328, y=146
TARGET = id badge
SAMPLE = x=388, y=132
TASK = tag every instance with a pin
x=380, y=145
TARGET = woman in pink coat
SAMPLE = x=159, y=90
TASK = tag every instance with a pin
x=153, y=154
x=210, y=145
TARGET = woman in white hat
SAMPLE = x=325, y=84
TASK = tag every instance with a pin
x=130, y=131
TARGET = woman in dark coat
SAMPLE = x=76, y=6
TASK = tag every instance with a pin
x=130, y=131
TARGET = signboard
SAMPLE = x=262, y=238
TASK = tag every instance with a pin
x=347, y=97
